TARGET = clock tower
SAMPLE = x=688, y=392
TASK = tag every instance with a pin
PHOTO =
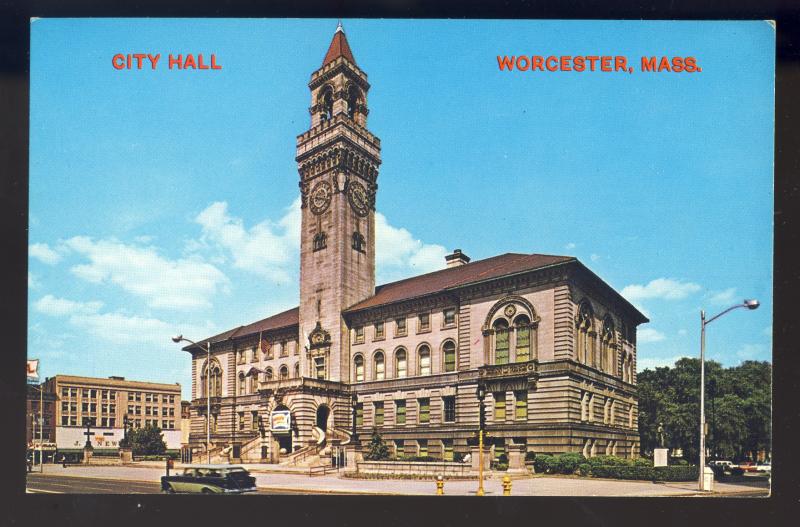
x=338, y=161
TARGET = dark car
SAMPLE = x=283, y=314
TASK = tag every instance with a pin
x=210, y=479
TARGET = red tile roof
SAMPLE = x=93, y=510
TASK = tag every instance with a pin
x=338, y=48
x=478, y=271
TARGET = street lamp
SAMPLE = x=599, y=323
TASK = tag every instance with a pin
x=179, y=338
x=354, y=404
x=749, y=304
x=480, y=393
x=40, y=421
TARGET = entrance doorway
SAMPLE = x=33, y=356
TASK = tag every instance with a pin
x=323, y=412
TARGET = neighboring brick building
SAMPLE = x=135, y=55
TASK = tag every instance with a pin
x=107, y=402
x=36, y=406
x=554, y=345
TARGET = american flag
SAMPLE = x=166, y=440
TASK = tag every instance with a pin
x=33, y=369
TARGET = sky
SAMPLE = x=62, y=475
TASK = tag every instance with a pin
x=166, y=201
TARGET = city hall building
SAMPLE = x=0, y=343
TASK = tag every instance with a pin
x=552, y=344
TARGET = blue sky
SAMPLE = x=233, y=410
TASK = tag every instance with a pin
x=165, y=201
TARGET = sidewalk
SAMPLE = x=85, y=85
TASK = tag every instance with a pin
x=331, y=483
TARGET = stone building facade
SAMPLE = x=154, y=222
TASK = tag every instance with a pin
x=554, y=345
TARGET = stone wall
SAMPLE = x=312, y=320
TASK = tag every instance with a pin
x=416, y=468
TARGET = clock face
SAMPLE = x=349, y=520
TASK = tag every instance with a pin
x=320, y=197
x=358, y=198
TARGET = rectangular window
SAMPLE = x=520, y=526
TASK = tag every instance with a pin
x=359, y=338
x=65, y=407
x=284, y=350
x=399, y=448
x=104, y=421
x=138, y=410
x=400, y=409
x=423, y=447
x=85, y=393
x=93, y=394
x=112, y=409
x=138, y=397
x=254, y=420
x=501, y=347
x=105, y=394
x=146, y=410
x=423, y=322
x=359, y=414
x=499, y=449
x=130, y=408
x=379, y=413
x=172, y=425
x=148, y=398
x=425, y=363
x=171, y=399
x=296, y=348
x=171, y=411
x=500, y=406
x=164, y=424
x=447, y=449
x=73, y=392
x=112, y=395
x=240, y=420
x=85, y=407
x=65, y=392
x=73, y=421
x=523, y=344
x=73, y=408
x=319, y=367
x=93, y=408
x=112, y=421
x=424, y=410
x=521, y=403
x=449, y=408
x=449, y=316
x=378, y=330
x=64, y=420
x=400, y=327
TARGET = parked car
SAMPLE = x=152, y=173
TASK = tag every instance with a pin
x=747, y=466
x=765, y=466
x=210, y=479
x=726, y=465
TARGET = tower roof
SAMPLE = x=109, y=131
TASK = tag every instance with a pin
x=339, y=47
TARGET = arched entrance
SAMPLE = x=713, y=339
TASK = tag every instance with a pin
x=323, y=412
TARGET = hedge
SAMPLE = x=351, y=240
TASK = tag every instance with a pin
x=673, y=473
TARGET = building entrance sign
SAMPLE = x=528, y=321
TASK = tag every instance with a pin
x=280, y=421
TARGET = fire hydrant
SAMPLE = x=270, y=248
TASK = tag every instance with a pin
x=439, y=485
x=506, y=486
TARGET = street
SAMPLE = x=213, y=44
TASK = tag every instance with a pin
x=146, y=480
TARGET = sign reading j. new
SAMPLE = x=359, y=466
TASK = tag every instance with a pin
x=280, y=421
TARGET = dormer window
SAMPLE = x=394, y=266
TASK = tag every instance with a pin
x=359, y=244
x=320, y=241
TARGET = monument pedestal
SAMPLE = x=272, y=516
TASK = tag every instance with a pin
x=353, y=456
x=516, y=460
x=87, y=454
x=474, y=453
x=660, y=457
x=126, y=455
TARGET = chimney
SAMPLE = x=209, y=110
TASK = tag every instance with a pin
x=116, y=378
x=456, y=259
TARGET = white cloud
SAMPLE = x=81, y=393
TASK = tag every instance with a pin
x=570, y=246
x=186, y=283
x=723, y=297
x=121, y=329
x=594, y=257
x=751, y=351
x=655, y=362
x=267, y=249
x=43, y=253
x=50, y=305
x=649, y=335
x=399, y=254
x=662, y=288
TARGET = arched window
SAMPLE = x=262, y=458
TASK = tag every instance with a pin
x=326, y=103
x=297, y=370
x=353, y=100
x=241, y=384
x=584, y=334
x=268, y=374
x=253, y=383
x=320, y=241
x=449, y=351
x=500, y=341
x=358, y=366
x=401, y=363
x=284, y=372
x=380, y=366
x=608, y=347
x=215, y=381
x=424, y=360
x=522, y=326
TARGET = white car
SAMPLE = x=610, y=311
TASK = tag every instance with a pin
x=766, y=466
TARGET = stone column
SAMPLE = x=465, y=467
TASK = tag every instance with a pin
x=516, y=459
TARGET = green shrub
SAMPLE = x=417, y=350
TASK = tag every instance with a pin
x=597, y=461
x=643, y=462
x=501, y=466
x=680, y=462
x=568, y=463
x=530, y=456
x=542, y=462
x=585, y=469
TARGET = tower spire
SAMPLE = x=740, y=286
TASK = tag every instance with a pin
x=339, y=47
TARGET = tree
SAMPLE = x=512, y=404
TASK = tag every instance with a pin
x=377, y=448
x=147, y=441
x=738, y=409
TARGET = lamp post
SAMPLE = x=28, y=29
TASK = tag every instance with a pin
x=40, y=420
x=354, y=404
x=749, y=304
x=179, y=338
x=480, y=393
